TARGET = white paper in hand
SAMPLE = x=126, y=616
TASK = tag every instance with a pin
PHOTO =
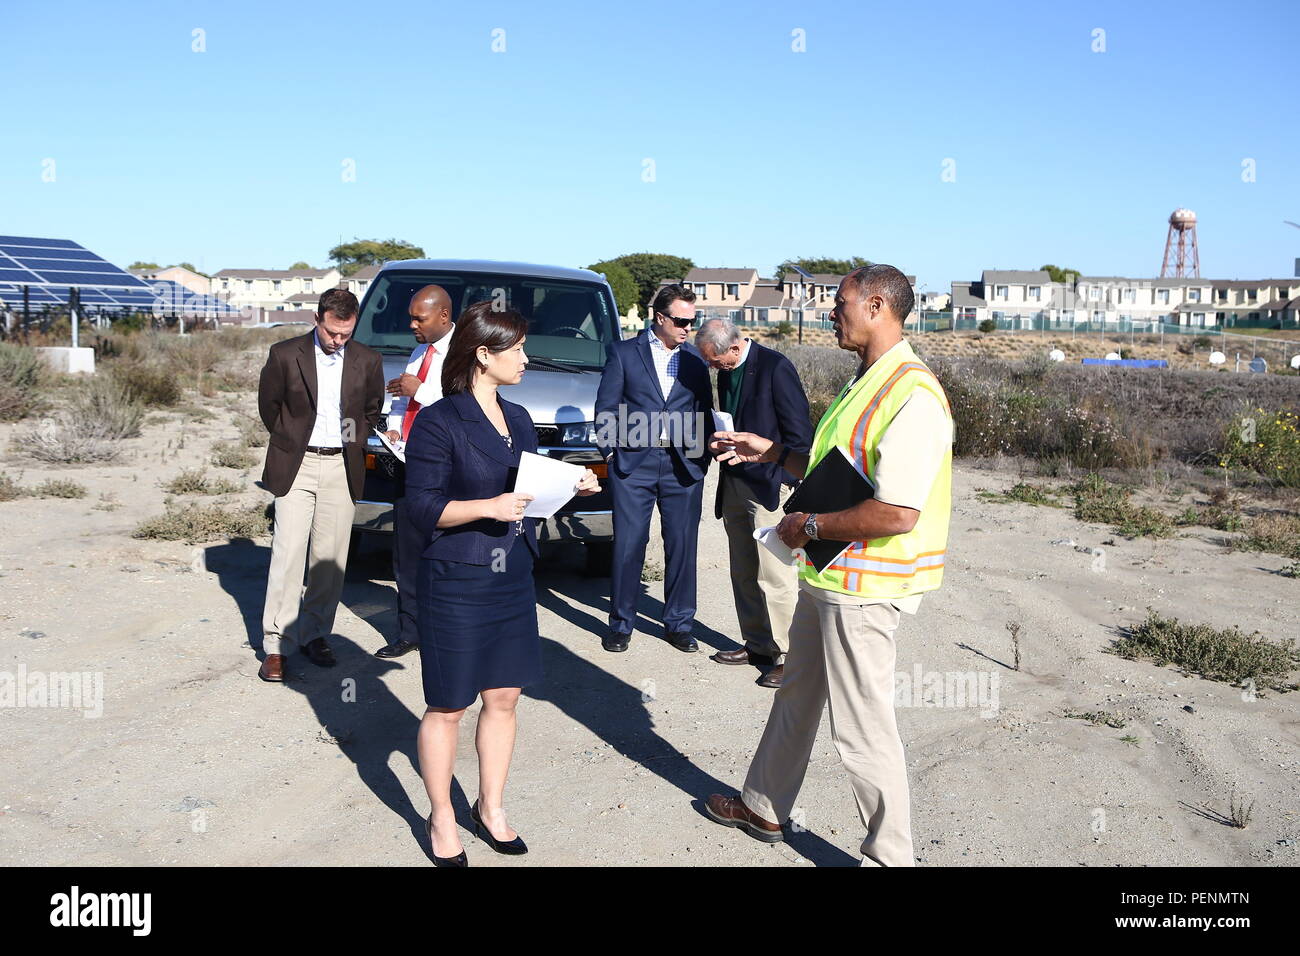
x=723, y=422
x=769, y=539
x=398, y=448
x=550, y=482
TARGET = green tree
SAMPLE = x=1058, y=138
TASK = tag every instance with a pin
x=836, y=267
x=1061, y=275
x=300, y=265
x=143, y=265
x=190, y=266
x=354, y=255
x=621, y=281
x=648, y=269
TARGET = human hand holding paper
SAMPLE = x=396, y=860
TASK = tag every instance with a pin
x=551, y=482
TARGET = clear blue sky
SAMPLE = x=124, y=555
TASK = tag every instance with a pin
x=233, y=157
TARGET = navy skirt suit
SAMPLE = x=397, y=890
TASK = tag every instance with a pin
x=477, y=611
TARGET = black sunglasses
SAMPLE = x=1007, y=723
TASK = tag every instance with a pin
x=679, y=322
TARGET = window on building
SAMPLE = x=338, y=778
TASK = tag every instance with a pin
x=248, y=285
x=1162, y=296
x=275, y=285
x=733, y=290
x=1035, y=292
x=762, y=315
x=225, y=283
x=734, y=315
x=1130, y=295
x=1098, y=315
x=1223, y=295
x=823, y=316
x=1094, y=292
x=306, y=286
x=1252, y=295
x=1001, y=292
x=1193, y=295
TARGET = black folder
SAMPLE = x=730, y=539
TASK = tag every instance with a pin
x=834, y=485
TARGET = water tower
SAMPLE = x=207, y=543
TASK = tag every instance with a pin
x=1180, y=247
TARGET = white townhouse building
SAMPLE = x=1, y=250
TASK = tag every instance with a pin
x=1027, y=299
x=272, y=289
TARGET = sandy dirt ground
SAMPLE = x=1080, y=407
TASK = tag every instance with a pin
x=195, y=761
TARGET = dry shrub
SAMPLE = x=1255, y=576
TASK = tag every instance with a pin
x=196, y=524
x=1222, y=655
x=227, y=455
x=22, y=375
x=147, y=382
x=195, y=481
x=99, y=417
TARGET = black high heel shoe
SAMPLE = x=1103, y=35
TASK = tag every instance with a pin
x=514, y=847
x=459, y=860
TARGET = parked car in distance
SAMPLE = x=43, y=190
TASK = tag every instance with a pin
x=572, y=319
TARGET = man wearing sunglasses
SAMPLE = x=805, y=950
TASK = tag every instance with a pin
x=654, y=413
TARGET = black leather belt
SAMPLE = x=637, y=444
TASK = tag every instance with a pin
x=324, y=451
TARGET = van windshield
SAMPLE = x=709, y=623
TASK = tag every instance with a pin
x=569, y=323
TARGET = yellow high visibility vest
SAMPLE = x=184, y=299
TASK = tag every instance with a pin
x=900, y=565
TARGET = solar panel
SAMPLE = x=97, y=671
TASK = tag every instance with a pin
x=50, y=268
x=47, y=243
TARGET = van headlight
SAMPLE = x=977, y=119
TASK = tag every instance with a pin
x=578, y=433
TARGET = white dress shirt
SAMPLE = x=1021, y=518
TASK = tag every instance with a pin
x=666, y=362
x=327, y=432
x=429, y=391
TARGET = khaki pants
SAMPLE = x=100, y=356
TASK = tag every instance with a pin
x=764, y=589
x=842, y=652
x=313, y=526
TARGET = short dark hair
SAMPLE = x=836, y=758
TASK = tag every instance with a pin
x=339, y=301
x=478, y=325
x=888, y=283
x=669, y=294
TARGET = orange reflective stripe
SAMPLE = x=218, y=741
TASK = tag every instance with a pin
x=857, y=444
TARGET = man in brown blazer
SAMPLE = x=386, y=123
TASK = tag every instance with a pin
x=319, y=396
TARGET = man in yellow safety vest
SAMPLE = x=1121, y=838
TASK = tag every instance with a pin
x=894, y=422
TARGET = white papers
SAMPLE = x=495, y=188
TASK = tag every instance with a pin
x=769, y=539
x=550, y=481
x=398, y=448
x=723, y=422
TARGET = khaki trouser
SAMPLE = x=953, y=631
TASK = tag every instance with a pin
x=313, y=526
x=842, y=652
x=764, y=589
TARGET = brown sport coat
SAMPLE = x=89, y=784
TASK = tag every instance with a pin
x=286, y=400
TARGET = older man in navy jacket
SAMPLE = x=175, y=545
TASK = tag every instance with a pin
x=654, y=416
x=760, y=389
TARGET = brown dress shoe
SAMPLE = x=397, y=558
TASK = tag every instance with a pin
x=732, y=812
x=740, y=655
x=773, y=677
x=272, y=668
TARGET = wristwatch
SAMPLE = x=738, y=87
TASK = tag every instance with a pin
x=810, y=527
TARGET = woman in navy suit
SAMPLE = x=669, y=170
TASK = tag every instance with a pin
x=477, y=609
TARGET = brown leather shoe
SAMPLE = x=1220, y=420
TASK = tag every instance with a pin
x=272, y=668
x=732, y=812
x=740, y=655
x=773, y=677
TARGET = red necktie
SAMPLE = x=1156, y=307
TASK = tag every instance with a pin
x=413, y=406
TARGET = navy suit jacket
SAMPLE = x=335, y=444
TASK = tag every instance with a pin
x=630, y=380
x=455, y=454
x=772, y=404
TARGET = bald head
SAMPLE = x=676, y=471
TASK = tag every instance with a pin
x=430, y=312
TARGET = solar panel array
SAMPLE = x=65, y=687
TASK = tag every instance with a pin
x=49, y=268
